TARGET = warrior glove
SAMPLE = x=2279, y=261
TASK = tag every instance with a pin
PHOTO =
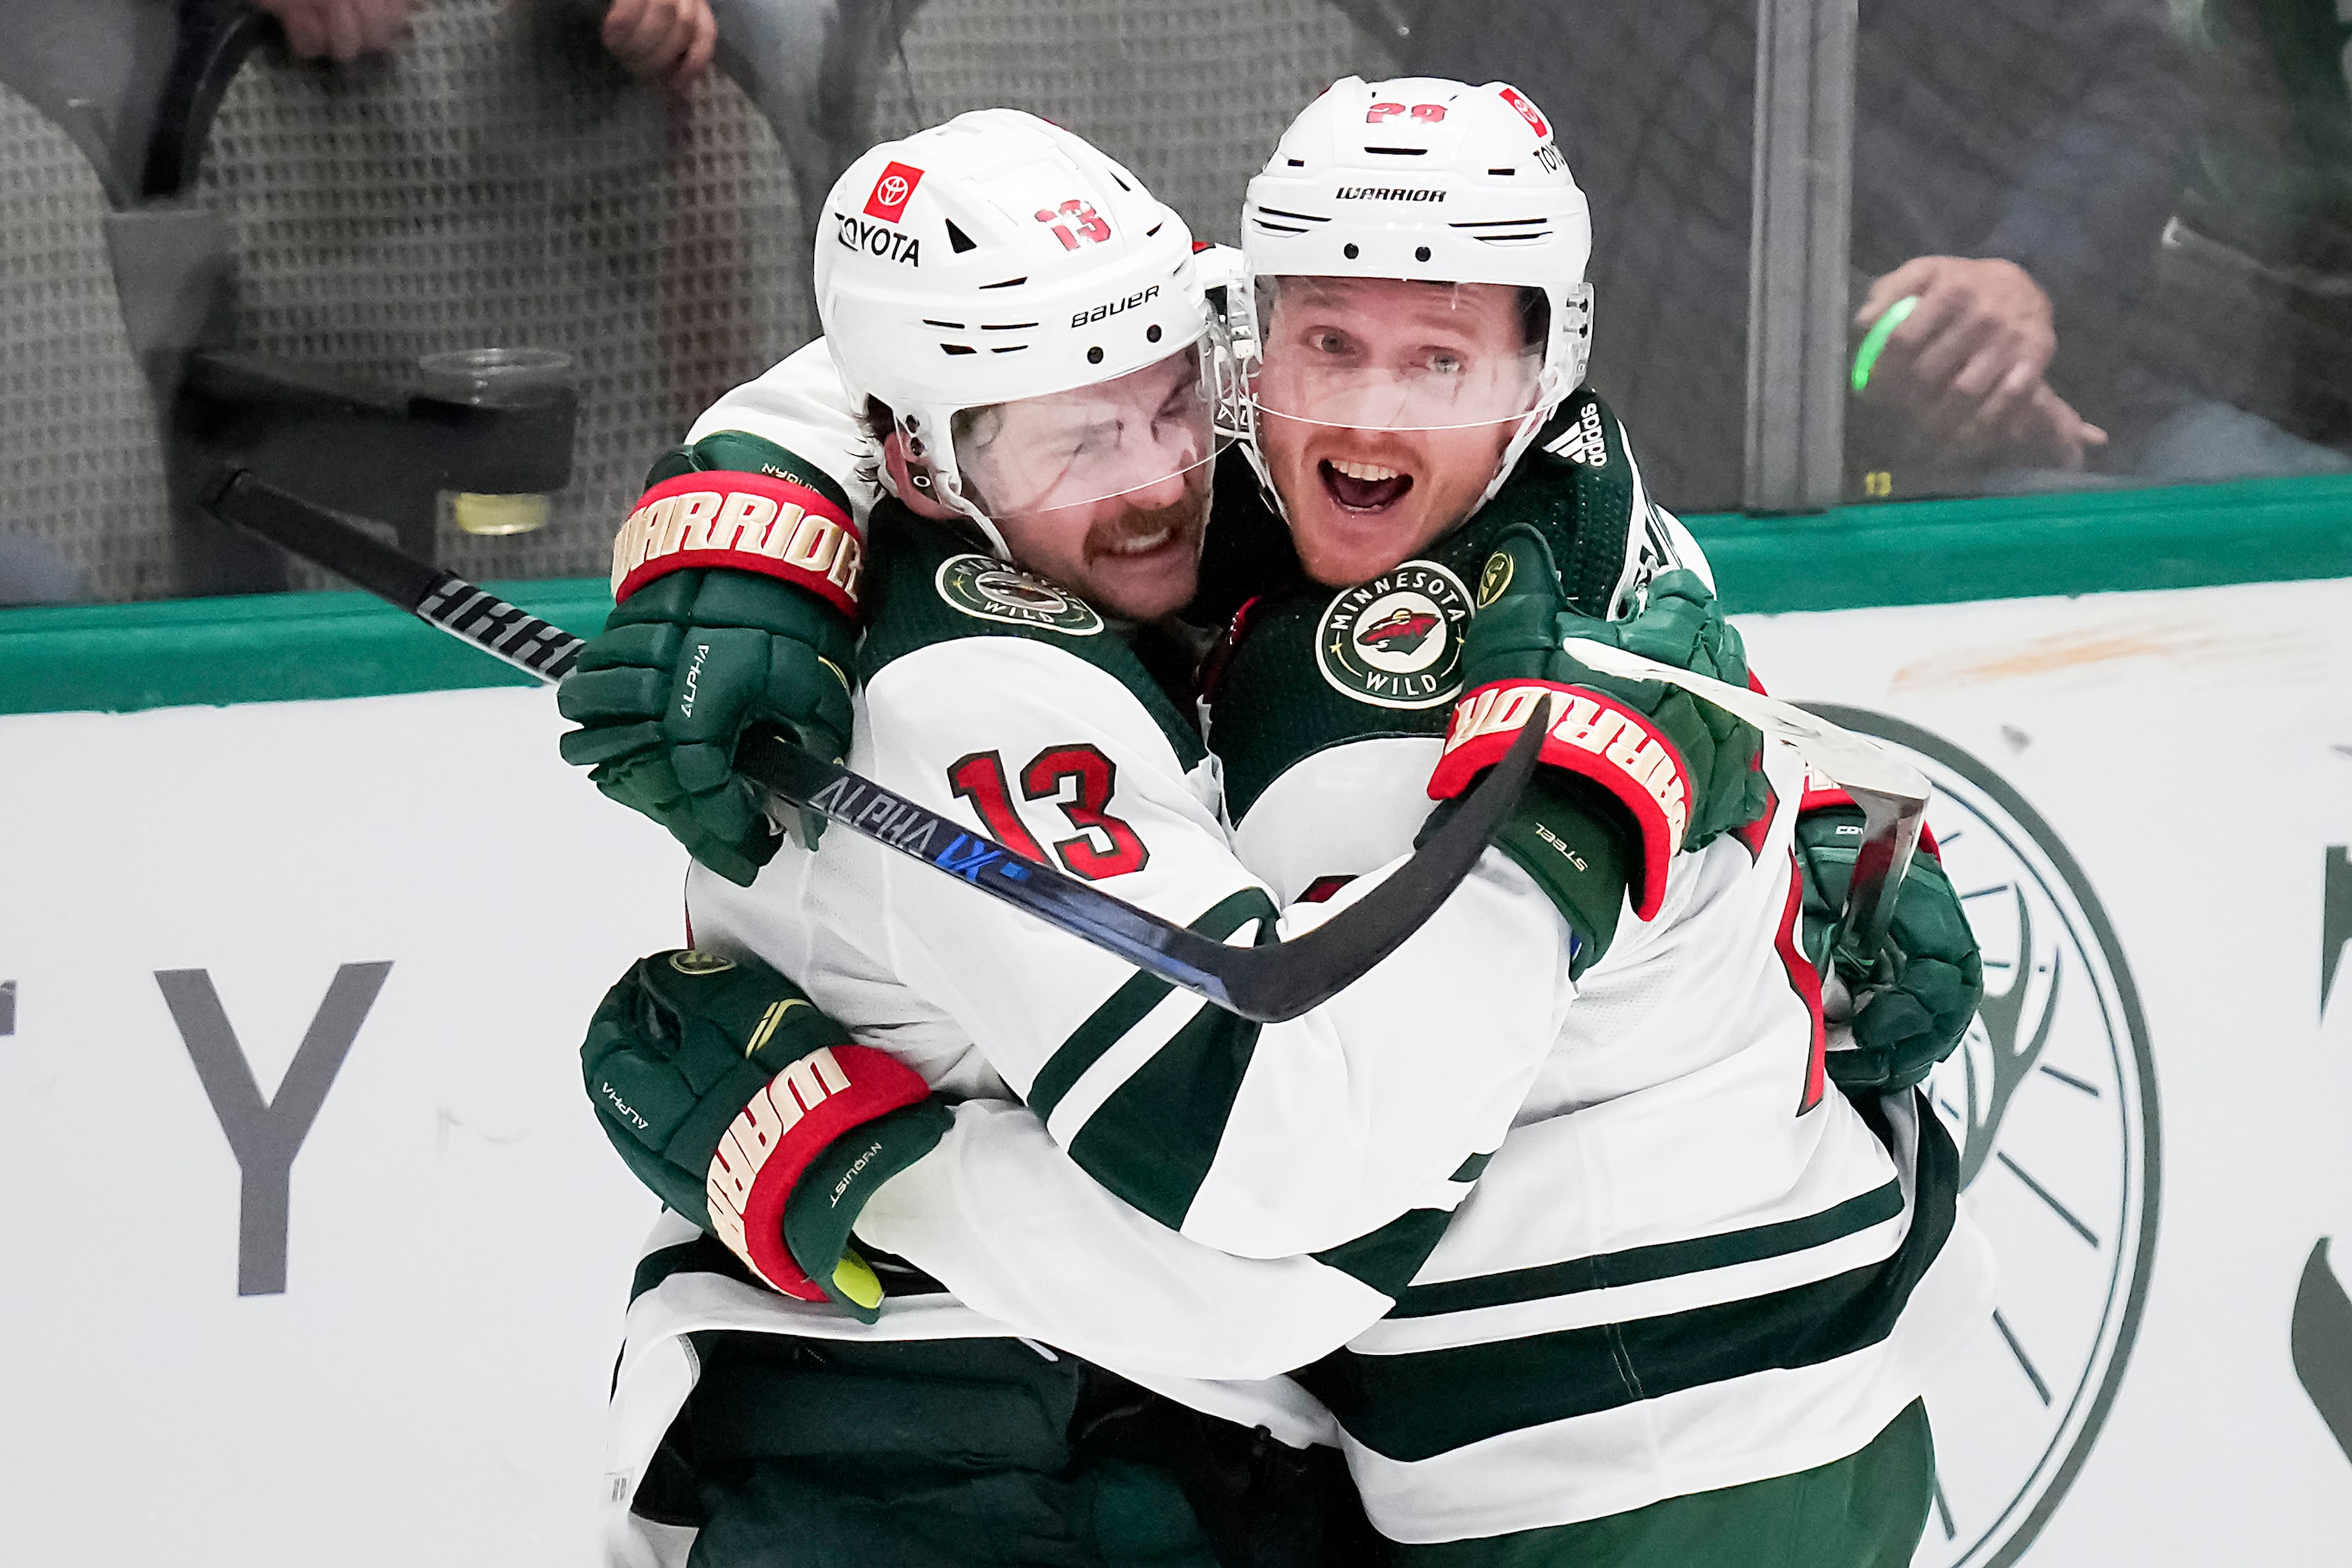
x=1636, y=771
x=735, y=587
x=1914, y=1006
x=748, y=1111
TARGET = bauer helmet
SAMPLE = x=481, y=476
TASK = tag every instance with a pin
x=995, y=260
x=1421, y=179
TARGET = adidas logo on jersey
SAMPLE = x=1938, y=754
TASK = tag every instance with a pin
x=1583, y=442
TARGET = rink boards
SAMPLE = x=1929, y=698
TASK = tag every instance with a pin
x=388, y=1341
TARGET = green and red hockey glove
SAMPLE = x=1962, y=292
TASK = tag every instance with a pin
x=735, y=587
x=1913, y=1009
x=751, y=1113
x=1635, y=771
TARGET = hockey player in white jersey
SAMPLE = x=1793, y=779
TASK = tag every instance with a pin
x=1328, y=1134
x=1353, y=776
x=1687, y=1314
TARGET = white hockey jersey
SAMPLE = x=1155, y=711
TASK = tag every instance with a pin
x=1674, y=1185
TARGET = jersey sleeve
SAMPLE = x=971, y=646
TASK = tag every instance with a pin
x=800, y=405
x=777, y=480
x=1004, y=1218
x=1263, y=1140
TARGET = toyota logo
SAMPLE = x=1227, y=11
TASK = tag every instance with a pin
x=893, y=190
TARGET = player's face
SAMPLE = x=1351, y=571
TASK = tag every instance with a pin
x=1103, y=490
x=1384, y=410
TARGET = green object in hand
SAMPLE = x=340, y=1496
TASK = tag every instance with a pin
x=1913, y=1009
x=1874, y=342
x=1518, y=635
x=1578, y=827
x=690, y=660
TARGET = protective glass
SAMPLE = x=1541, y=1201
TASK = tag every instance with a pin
x=1150, y=434
x=1385, y=354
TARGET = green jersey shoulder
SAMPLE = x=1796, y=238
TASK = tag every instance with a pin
x=1311, y=667
x=933, y=587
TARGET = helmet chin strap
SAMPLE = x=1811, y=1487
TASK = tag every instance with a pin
x=980, y=519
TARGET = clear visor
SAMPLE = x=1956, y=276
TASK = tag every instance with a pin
x=1391, y=353
x=1149, y=437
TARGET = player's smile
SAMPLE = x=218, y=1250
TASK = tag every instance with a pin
x=1144, y=561
x=1362, y=487
x=1383, y=409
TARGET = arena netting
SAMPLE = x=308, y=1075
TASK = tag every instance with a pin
x=495, y=181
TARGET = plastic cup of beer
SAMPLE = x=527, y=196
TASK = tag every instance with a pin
x=498, y=378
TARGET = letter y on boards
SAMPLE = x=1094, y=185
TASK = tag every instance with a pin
x=266, y=1135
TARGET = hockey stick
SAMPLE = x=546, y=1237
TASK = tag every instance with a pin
x=1892, y=794
x=1269, y=983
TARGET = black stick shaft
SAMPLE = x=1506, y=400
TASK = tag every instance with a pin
x=1268, y=982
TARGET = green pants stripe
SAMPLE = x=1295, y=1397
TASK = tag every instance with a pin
x=1865, y=1510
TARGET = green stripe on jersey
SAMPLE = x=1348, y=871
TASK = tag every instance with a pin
x=1427, y=1403
x=1391, y=1255
x=1109, y=1023
x=1154, y=1139
x=1472, y=1168
x=1637, y=1265
x=703, y=1255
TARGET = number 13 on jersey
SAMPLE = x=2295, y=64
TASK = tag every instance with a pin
x=1080, y=781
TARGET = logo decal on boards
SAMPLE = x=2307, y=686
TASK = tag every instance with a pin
x=989, y=590
x=2052, y=1101
x=1396, y=641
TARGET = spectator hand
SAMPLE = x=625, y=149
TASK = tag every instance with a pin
x=340, y=29
x=2044, y=426
x=1968, y=363
x=669, y=41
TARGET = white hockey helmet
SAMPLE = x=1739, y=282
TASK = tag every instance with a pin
x=1432, y=180
x=999, y=259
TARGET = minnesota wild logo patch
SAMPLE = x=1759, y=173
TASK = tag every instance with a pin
x=1496, y=578
x=989, y=590
x=1396, y=641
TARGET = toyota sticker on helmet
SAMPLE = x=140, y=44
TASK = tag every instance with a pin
x=888, y=201
x=1527, y=112
x=855, y=233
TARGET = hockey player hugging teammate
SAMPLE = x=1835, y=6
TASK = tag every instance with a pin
x=1572, y=1250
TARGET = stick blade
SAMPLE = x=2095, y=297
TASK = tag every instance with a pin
x=1855, y=761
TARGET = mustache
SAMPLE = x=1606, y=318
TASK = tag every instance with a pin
x=1183, y=518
